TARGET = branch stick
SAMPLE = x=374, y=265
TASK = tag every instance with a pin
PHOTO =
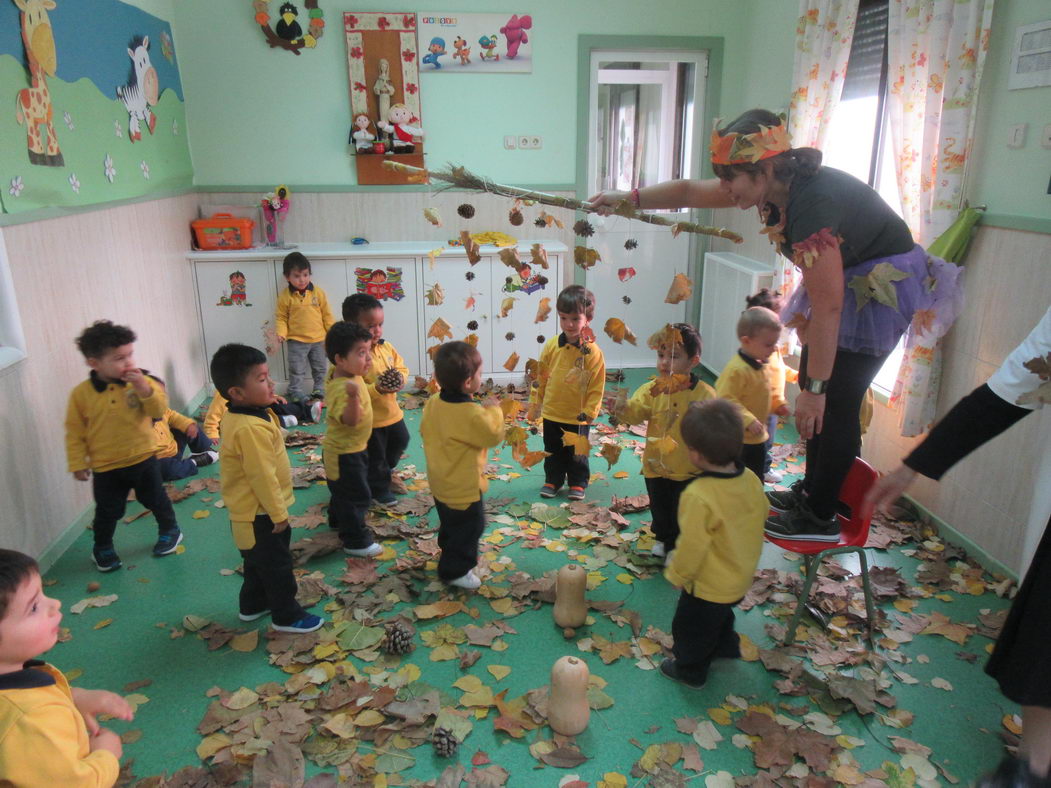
x=462, y=178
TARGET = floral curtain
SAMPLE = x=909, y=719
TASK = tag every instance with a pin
x=935, y=52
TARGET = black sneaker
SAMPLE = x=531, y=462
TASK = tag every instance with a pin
x=802, y=524
x=106, y=558
x=786, y=500
x=204, y=458
x=670, y=670
x=167, y=542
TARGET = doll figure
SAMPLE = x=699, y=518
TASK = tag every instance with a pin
x=401, y=132
x=275, y=208
x=361, y=135
x=436, y=50
x=384, y=89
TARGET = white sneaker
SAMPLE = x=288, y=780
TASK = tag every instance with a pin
x=469, y=581
x=315, y=410
x=773, y=476
x=204, y=458
x=372, y=550
x=289, y=421
x=658, y=551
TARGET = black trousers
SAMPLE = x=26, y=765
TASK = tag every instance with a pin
x=664, y=507
x=350, y=501
x=830, y=453
x=177, y=466
x=111, y=498
x=458, y=533
x=753, y=455
x=703, y=631
x=386, y=445
x=563, y=465
x=268, y=580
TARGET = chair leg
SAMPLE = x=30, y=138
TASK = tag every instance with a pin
x=870, y=608
x=811, y=564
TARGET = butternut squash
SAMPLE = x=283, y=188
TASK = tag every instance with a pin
x=571, y=608
x=567, y=703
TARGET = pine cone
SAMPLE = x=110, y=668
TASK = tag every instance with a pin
x=392, y=380
x=515, y=217
x=539, y=222
x=399, y=638
x=445, y=744
x=466, y=210
x=630, y=244
x=583, y=228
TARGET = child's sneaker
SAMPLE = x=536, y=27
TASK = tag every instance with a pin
x=308, y=623
x=106, y=559
x=658, y=550
x=576, y=494
x=315, y=410
x=371, y=551
x=670, y=670
x=385, y=499
x=289, y=421
x=253, y=616
x=469, y=581
x=549, y=490
x=773, y=476
x=317, y=394
x=167, y=542
x=204, y=458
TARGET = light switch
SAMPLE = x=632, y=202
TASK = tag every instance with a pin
x=1045, y=138
x=1016, y=135
x=510, y=142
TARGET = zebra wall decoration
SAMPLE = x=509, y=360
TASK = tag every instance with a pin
x=141, y=91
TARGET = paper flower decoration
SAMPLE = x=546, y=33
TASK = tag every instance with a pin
x=74, y=182
x=69, y=120
x=117, y=129
x=145, y=169
x=15, y=190
x=108, y=168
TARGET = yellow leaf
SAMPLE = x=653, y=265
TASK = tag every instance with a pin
x=512, y=362
x=531, y=458
x=579, y=443
x=73, y=675
x=905, y=605
x=499, y=671
x=680, y=289
x=616, y=330
x=595, y=579
x=212, y=744
x=410, y=672
x=200, y=514
x=341, y=725
x=439, y=609
x=543, y=310
x=439, y=328
x=506, y=306
x=749, y=651
x=444, y=653
x=719, y=716
x=625, y=578
x=247, y=641
x=613, y=780
x=369, y=718
x=103, y=623
x=621, y=475
x=610, y=452
x=510, y=407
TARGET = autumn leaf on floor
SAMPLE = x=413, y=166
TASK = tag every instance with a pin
x=680, y=289
x=314, y=516
x=942, y=625
x=619, y=332
x=629, y=504
x=610, y=453
x=439, y=329
x=439, y=609
x=93, y=601
x=579, y=443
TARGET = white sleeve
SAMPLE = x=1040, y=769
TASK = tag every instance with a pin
x=1013, y=380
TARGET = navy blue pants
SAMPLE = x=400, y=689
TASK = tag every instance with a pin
x=703, y=631
x=386, y=445
x=177, y=466
x=563, y=465
x=111, y=498
x=458, y=533
x=268, y=580
x=664, y=506
x=350, y=501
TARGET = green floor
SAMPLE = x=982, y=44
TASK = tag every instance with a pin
x=141, y=637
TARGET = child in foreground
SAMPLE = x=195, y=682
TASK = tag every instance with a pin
x=722, y=514
x=109, y=432
x=457, y=432
x=744, y=381
x=302, y=319
x=48, y=732
x=568, y=392
x=662, y=403
x=256, y=482
x=388, y=374
x=347, y=430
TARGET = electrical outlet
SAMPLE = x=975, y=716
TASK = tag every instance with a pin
x=510, y=142
x=523, y=142
x=535, y=142
x=1016, y=135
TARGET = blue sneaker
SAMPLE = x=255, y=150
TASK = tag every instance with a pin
x=106, y=558
x=308, y=623
x=385, y=499
x=167, y=542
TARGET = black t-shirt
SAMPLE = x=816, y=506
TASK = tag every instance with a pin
x=867, y=227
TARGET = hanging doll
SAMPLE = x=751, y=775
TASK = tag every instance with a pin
x=361, y=136
x=401, y=132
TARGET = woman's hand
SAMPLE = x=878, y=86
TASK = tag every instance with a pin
x=605, y=203
x=887, y=489
x=810, y=414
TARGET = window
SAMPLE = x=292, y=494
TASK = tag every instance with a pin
x=859, y=133
x=12, y=343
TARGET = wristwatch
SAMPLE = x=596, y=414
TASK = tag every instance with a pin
x=816, y=386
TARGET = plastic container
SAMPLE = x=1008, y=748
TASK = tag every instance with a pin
x=223, y=231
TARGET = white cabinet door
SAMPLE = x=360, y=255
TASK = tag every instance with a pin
x=395, y=282
x=519, y=332
x=467, y=305
x=237, y=301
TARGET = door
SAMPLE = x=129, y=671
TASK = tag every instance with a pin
x=644, y=128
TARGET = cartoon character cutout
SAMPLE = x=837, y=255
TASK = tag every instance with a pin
x=488, y=46
x=141, y=91
x=33, y=106
x=361, y=137
x=461, y=51
x=436, y=50
x=525, y=280
x=384, y=284
x=398, y=125
x=238, y=290
x=514, y=33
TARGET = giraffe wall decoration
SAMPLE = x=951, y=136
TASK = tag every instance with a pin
x=34, y=103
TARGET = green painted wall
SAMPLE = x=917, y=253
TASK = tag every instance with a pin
x=259, y=116
x=1011, y=182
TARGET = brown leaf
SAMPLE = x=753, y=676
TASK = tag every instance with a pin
x=610, y=453
x=617, y=331
x=564, y=757
x=680, y=289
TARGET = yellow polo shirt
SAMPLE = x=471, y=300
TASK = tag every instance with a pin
x=456, y=433
x=743, y=381
x=342, y=438
x=304, y=317
x=571, y=381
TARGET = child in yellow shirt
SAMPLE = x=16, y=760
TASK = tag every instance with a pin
x=456, y=433
x=347, y=430
x=568, y=392
x=777, y=375
x=744, y=381
x=48, y=732
x=175, y=433
x=109, y=432
x=661, y=403
x=302, y=319
x=256, y=482
x=384, y=380
x=289, y=414
x=722, y=514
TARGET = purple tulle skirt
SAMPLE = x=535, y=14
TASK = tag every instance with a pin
x=932, y=287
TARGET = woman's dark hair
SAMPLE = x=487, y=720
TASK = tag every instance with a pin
x=771, y=299
x=802, y=162
x=356, y=303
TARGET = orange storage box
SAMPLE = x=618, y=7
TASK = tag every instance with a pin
x=223, y=231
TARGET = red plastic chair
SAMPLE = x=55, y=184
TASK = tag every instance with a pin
x=853, y=533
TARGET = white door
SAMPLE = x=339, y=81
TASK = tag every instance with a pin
x=466, y=305
x=644, y=128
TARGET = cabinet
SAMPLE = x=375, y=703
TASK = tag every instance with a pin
x=401, y=275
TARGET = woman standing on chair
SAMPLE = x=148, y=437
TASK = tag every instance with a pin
x=863, y=280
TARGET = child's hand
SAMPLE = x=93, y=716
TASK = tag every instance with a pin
x=533, y=413
x=784, y=411
x=106, y=739
x=280, y=399
x=280, y=339
x=352, y=390
x=138, y=382
x=91, y=703
x=81, y=476
x=191, y=431
x=281, y=526
x=755, y=429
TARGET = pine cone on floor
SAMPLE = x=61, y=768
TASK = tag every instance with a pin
x=445, y=744
x=392, y=380
x=399, y=638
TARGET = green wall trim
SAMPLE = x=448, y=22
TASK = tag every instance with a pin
x=353, y=187
x=951, y=535
x=57, y=212
x=1030, y=224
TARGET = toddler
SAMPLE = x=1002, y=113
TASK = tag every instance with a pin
x=302, y=320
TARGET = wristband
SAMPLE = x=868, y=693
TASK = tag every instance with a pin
x=815, y=386
x=635, y=198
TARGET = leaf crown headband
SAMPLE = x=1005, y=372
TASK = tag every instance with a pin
x=734, y=148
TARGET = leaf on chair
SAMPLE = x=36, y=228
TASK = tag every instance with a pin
x=439, y=328
x=585, y=258
x=543, y=310
x=611, y=453
x=539, y=256
x=435, y=295
x=617, y=331
x=680, y=289
x=512, y=362
x=506, y=306
x=579, y=443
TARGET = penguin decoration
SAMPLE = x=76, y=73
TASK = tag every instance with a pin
x=287, y=27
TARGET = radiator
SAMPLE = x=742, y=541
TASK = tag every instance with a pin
x=728, y=279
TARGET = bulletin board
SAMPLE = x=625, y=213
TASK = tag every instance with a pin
x=87, y=120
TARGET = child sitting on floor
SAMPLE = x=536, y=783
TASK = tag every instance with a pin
x=722, y=514
x=176, y=432
x=48, y=732
x=289, y=414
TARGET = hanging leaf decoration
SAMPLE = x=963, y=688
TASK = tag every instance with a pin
x=511, y=363
x=585, y=258
x=510, y=258
x=431, y=215
x=617, y=331
x=439, y=328
x=624, y=274
x=543, y=310
x=539, y=256
x=670, y=384
x=530, y=458
x=471, y=339
x=610, y=453
x=680, y=289
x=667, y=337
x=583, y=228
x=549, y=220
x=434, y=349
x=433, y=255
x=470, y=246
x=506, y=306
x=435, y=295
x=579, y=443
